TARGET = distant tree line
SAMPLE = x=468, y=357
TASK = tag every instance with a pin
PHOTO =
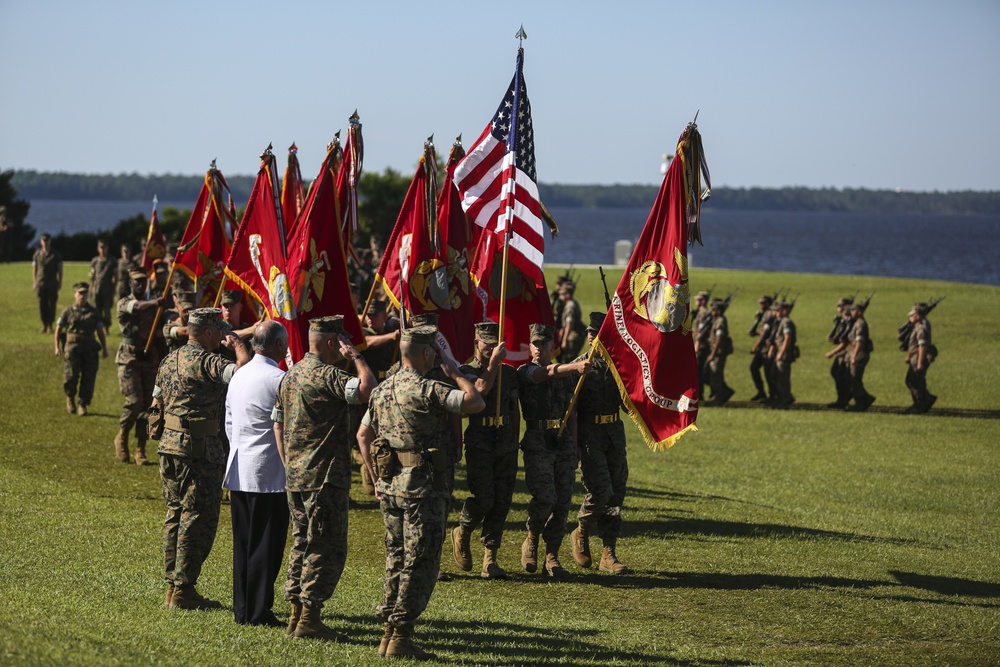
x=135, y=187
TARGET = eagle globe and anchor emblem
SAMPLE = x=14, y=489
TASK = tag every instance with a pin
x=664, y=305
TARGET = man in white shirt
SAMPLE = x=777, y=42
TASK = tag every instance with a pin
x=255, y=477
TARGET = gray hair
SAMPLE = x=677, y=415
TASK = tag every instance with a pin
x=267, y=335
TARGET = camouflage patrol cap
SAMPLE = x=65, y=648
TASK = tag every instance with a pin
x=858, y=306
x=541, y=333
x=376, y=307
x=488, y=332
x=331, y=324
x=596, y=320
x=160, y=266
x=424, y=319
x=919, y=308
x=206, y=317
x=702, y=295
x=137, y=274
x=231, y=297
x=422, y=335
x=567, y=288
x=766, y=300
x=718, y=303
x=81, y=287
x=784, y=305
x=845, y=301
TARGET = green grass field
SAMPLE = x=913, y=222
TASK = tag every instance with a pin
x=804, y=537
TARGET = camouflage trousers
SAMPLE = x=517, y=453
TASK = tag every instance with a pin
x=783, y=382
x=605, y=475
x=840, y=371
x=759, y=372
x=491, y=476
x=916, y=382
x=574, y=343
x=193, y=492
x=717, y=375
x=549, y=472
x=136, y=380
x=414, y=535
x=856, y=375
x=80, y=369
x=104, y=302
x=47, y=300
x=319, y=543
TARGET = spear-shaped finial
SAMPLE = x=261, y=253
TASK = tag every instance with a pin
x=355, y=118
x=212, y=166
x=429, y=143
x=267, y=151
x=155, y=200
x=458, y=140
x=521, y=35
x=293, y=148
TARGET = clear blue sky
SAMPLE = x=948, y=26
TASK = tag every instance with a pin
x=876, y=94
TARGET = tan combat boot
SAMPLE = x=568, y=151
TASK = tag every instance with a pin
x=609, y=559
x=554, y=568
x=121, y=445
x=169, y=602
x=401, y=645
x=491, y=570
x=310, y=626
x=81, y=410
x=581, y=546
x=293, y=618
x=140, y=454
x=529, y=552
x=186, y=596
x=386, y=638
x=460, y=537
x=70, y=405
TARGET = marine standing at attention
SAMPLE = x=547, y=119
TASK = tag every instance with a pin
x=81, y=326
x=859, y=349
x=550, y=458
x=103, y=272
x=313, y=421
x=603, y=461
x=190, y=389
x=46, y=280
x=760, y=366
x=402, y=442
x=490, y=454
x=136, y=367
x=784, y=351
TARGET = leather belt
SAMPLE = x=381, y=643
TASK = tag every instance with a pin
x=542, y=424
x=487, y=421
x=606, y=419
x=409, y=459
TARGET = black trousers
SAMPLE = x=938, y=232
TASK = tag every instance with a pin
x=260, y=529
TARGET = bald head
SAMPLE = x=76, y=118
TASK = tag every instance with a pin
x=270, y=339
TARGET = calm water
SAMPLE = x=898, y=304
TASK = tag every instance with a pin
x=959, y=248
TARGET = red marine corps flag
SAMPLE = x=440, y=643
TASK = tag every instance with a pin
x=257, y=262
x=156, y=245
x=208, y=237
x=497, y=181
x=293, y=192
x=646, y=338
x=317, y=264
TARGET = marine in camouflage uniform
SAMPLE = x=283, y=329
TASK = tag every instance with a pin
x=783, y=352
x=920, y=352
x=760, y=365
x=188, y=386
x=700, y=323
x=550, y=458
x=840, y=369
x=123, y=269
x=403, y=425
x=103, y=270
x=175, y=330
x=313, y=418
x=81, y=327
x=381, y=353
x=571, y=327
x=136, y=367
x=603, y=461
x=46, y=280
x=859, y=349
x=720, y=346
x=490, y=453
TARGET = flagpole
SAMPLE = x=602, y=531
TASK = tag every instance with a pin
x=576, y=392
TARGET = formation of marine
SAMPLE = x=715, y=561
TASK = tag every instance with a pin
x=401, y=404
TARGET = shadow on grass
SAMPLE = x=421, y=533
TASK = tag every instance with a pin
x=947, y=585
x=878, y=409
x=708, y=528
x=513, y=643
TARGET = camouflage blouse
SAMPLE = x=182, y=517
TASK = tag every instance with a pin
x=81, y=323
x=544, y=400
x=192, y=383
x=314, y=407
x=599, y=394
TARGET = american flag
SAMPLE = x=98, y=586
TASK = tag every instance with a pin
x=496, y=180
